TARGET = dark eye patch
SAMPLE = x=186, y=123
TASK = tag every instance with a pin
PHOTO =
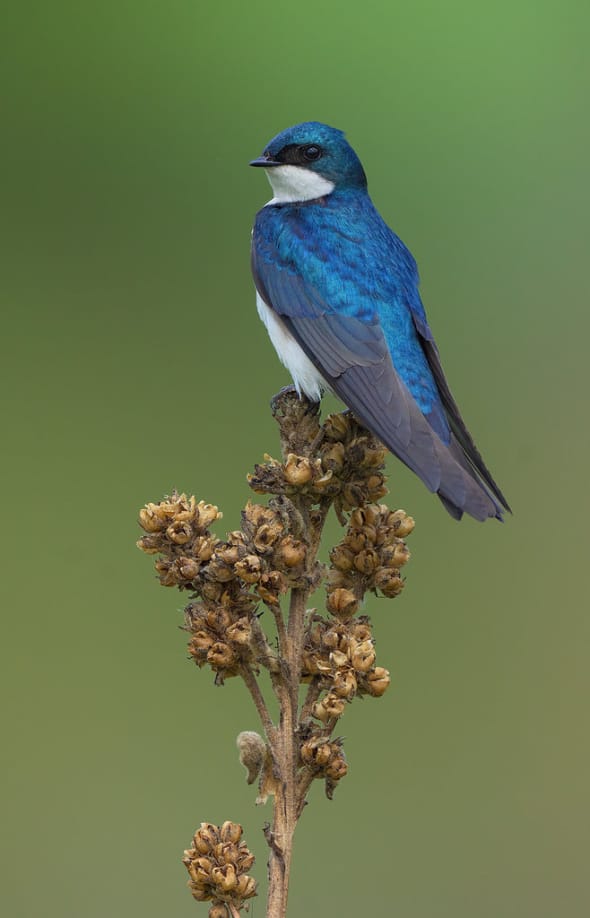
x=299, y=154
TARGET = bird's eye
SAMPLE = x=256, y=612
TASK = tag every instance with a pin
x=311, y=152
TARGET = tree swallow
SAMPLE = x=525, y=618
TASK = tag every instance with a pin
x=338, y=293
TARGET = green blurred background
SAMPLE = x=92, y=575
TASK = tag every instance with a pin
x=133, y=361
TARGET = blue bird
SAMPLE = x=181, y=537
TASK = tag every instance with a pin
x=338, y=293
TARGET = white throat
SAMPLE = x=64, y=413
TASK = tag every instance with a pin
x=292, y=184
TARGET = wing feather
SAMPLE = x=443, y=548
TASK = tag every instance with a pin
x=353, y=357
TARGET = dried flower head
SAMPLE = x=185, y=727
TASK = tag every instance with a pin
x=336, y=464
x=218, y=863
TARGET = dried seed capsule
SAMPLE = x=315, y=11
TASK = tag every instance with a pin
x=249, y=568
x=225, y=877
x=179, y=532
x=290, y=553
x=207, y=835
x=298, y=470
x=266, y=536
x=378, y=681
x=240, y=632
x=337, y=427
x=188, y=568
x=345, y=684
x=388, y=581
x=221, y=655
x=337, y=767
x=334, y=457
x=401, y=523
x=207, y=514
x=150, y=544
x=329, y=708
x=246, y=887
x=367, y=561
x=342, y=603
x=342, y=558
x=218, y=911
x=363, y=657
x=151, y=520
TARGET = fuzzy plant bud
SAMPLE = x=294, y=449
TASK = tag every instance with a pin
x=252, y=750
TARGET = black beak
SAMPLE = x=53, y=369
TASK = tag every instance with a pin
x=265, y=162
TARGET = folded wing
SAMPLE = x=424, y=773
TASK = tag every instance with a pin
x=353, y=357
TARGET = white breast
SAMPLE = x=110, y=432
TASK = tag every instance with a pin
x=306, y=377
x=294, y=184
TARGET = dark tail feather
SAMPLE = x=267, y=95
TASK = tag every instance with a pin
x=465, y=450
x=450, y=507
x=468, y=493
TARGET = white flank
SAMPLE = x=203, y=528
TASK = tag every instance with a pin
x=305, y=376
x=293, y=184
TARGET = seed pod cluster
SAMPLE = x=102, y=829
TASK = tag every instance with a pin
x=258, y=562
x=356, y=459
x=347, y=468
x=369, y=557
x=341, y=656
x=218, y=863
x=326, y=759
x=177, y=529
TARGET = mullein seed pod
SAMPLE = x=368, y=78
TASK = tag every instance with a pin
x=336, y=427
x=388, y=581
x=342, y=603
x=220, y=655
x=218, y=911
x=378, y=681
x=363, y=657
x=344, y=684
x=249, y=569
x=240, y=633
x=298, y=470
x=289, y=553
x=207, y=514
x=402, y=524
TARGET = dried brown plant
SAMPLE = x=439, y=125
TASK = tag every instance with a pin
x=271, y=563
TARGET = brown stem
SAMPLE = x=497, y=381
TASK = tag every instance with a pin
x=313, y=693
x=280, y=625
x=265, y=655
x=298, y=428
x=258, y=698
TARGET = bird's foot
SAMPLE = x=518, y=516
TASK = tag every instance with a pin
x=298, y=420
x=287, y=392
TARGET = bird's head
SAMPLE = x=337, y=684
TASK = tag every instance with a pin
x=309, y=161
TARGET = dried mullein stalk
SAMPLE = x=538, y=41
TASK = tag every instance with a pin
x=271, y=562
